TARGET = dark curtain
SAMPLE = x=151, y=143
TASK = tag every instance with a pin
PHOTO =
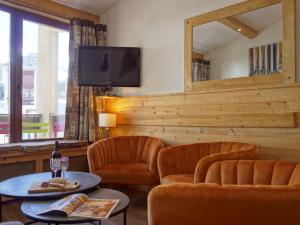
x=81, y=115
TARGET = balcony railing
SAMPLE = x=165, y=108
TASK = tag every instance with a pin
x=33, y=127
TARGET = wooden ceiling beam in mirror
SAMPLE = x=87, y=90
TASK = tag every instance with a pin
x=197, y=55
x=239, y=27
x=236, y=9
x=56, y=9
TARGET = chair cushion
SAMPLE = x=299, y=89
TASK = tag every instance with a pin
x=178, y=178
x=127, y=173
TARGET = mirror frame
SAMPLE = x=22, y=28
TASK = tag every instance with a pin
x=288, y=74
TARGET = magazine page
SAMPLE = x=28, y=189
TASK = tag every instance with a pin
x=96, y=208
x=66, y=205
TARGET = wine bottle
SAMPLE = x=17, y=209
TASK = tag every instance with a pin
x=57, y=157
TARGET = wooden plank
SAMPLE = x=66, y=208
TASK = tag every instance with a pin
x=211, y=109
x=197, y=55
x=238, y=82
x=39, y=167
x=297, y=119
x=286, y=133
x=188, y=37
x=239, y=27
x=36, y=156
x=289, y=41
x=241, y=120
x=56, y=9
x=266, y=95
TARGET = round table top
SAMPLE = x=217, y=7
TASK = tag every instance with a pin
x=17, y=187
x=31, y=208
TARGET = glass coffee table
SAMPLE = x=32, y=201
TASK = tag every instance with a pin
x=31, y=208
x=17, y=187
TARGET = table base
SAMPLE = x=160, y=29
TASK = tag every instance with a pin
x=96, y=222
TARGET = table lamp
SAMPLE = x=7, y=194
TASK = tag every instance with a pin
x=107, y=120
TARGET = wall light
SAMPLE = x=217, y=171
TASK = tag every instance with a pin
x=107, y=120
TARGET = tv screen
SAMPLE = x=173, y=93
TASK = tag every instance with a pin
x=112, y=66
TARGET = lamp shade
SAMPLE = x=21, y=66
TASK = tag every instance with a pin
x=107, y=120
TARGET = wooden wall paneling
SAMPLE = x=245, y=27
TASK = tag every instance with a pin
x=275, y=143
x=268, y=117
x=272, y=137
x=56, y=9
x=287, y=93
x=297, y=119
x=38, y=157
x=39, y=165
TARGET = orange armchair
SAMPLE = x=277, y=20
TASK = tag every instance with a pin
x=189, y=163
x=125, y=159
x=236, y=192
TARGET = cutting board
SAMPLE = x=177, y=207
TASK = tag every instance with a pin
x=36, y=188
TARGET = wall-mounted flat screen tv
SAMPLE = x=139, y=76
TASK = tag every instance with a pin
x=109, y=66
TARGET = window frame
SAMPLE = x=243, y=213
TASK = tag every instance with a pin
x=16, y=66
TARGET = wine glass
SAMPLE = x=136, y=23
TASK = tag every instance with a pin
x=64, y=165
x=55, y=165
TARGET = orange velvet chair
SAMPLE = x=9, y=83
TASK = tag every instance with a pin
x=125, y=159
x=189, y=163
x=244, y=192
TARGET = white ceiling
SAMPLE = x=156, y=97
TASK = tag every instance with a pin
x=213, y=35
x=96, y=7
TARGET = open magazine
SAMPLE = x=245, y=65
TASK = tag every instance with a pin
x=79, y=205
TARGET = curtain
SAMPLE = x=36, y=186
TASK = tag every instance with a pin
x=81, y=114
x=200, y=70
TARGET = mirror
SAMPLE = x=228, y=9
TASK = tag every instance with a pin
x=249, y=44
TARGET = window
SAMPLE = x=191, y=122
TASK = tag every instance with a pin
x=4, y=75
x=37, y=50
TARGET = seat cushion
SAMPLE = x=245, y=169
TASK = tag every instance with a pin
x=178, y=178
x=127, y=173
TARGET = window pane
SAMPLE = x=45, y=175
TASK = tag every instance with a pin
x=4, y=76
x=45, y=73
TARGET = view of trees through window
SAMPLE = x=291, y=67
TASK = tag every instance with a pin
x=44, y=79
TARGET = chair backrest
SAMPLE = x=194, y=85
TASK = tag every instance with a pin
x=4, y=128
x=126, y=148
x=254, y=172
x=192, y=153
x=34, y=127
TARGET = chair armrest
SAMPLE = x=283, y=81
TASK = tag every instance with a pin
x=204, y=163
x=178, y=160
x=154, y=149
x=204, y=204
x=97, y=155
